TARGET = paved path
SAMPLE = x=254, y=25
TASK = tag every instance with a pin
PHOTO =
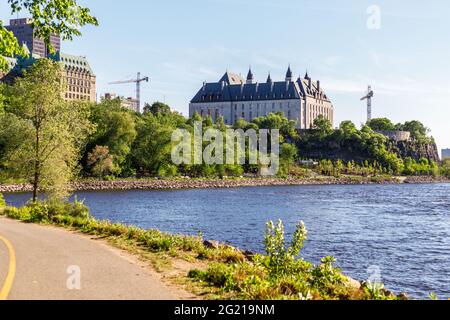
x=49, y=261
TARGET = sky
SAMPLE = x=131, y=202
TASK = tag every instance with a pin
x=399, y=47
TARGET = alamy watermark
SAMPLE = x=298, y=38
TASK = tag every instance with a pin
x=73, y=282
x=374, y=19
x=232, y=147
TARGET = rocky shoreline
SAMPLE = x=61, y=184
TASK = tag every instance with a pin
x=182, y=184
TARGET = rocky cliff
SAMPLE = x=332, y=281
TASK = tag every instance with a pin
x=348, y=151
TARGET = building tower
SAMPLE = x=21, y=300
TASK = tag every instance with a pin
x=289, y=74
x=250, y=77
x=24, y=32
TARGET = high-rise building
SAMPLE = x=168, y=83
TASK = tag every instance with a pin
x=234, y=98
x=24, y=32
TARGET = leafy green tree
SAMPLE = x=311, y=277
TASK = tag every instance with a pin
x=64, y=17
x=381, y=124
x=115, y=129
x=417, y=129
x=288, y=155
x=100, y=162
x=151, y=154
x=48, y=155
x=220, y=124
x=278, y=121
x=240, y=124
x=322, y=126
x=157, y=107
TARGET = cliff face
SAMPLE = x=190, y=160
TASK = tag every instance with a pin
x=347, y=152
x=415, y=150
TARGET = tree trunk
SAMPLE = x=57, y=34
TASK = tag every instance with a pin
x=36, y=168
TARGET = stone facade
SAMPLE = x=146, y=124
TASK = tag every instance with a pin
x=79, y=77
x=397, y=136
x=233, y=98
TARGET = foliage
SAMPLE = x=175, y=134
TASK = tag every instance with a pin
x=358, y=145
x=277, y=121
x=151, y=151
x=322, y=126
x=381, y=124
x=2, y=204
x=63, y=17
x=288, y=155
x=417, y=129
x=157, y=107
x=115, y=129
x=280, y=274
x=43, y=212
x=100, y=162
x=421, y=167
x=445, y=168
x=49, y=132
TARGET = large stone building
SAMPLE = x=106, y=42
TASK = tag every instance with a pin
x=234, y=98
x=79, y=77
x=24, y=32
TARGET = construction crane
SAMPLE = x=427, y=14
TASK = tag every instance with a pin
x=368, y=97
x=138, y=81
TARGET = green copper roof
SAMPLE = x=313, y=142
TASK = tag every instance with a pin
x=75, y=62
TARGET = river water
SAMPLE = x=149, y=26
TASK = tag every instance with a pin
x=401, y=232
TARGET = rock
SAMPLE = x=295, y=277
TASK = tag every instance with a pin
x=388, y=293
x=352, y=283
x=211, y=244
x=403, y=296
x=249, y=255
x=226, y=246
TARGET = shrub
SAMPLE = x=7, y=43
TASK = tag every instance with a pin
x=45, y=211
x=2, y=204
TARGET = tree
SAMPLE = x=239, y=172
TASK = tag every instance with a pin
x=151, y=152
x=381, y=124
x=64, y=17
x=288, y=154
x=100, y=161
x=157, y=107
x=116, y=129
x=48, y=155
x=417, y=129
x=323, y=126
x=278, y=121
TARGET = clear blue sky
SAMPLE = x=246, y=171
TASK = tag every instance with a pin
x=180, y=44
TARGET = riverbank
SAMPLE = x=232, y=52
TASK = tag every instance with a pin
x=187, y=183
x=209, y=269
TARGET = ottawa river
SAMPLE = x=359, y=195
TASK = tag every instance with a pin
x=401, y=230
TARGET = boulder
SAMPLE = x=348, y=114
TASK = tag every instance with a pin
x=211, y=244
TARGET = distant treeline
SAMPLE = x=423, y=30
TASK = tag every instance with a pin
x=39, y=131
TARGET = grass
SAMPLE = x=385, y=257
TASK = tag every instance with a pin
x=212, y=272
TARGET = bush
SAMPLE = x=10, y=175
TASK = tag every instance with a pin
x=45, y=211
x=2, y=203
x=280, y=274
